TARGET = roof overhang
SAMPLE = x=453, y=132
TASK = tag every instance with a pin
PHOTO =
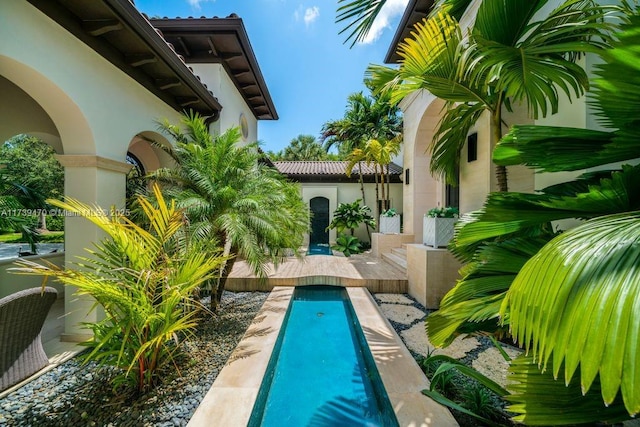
x=416, y=10
x=222, y=41
x=338, y=179
x=117, y=31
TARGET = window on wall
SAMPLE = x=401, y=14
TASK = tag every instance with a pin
x=472, y=147
x=137, y=164
x=136, y=184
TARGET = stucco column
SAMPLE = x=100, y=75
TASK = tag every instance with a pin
x=97, y=181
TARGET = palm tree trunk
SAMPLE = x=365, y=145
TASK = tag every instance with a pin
x=384, y=194
x=388, y=187
x=501, y=171
x=42, y=221
x=364, y=200
x=225, y=269
x=375, y=175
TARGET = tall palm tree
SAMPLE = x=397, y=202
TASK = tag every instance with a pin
x=366, y=118
x=509, y=57
x=379, y=153
x=245, y=206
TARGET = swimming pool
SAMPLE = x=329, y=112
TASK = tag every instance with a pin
x=321, y=371
x=231, y=398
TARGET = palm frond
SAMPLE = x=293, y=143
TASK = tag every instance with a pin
x=540, y=400
x=450, y=137
x=573, y=303
x=360, y=15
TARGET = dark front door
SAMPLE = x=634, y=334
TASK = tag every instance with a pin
x=319, y=220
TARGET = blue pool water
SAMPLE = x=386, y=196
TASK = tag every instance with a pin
x=321, y=372
x=319, y=249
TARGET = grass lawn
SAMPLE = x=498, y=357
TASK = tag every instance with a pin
x=49, y=237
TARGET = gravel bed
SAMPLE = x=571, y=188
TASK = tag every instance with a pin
x=75, y=394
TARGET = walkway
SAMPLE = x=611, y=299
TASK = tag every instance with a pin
x=362, y=270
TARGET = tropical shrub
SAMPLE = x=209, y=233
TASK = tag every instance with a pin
x=567, y=297
x=347, y=244
x=445, y=212
x=350, y=216
x=145, y=282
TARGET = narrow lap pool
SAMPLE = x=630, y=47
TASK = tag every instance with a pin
x=321, y=372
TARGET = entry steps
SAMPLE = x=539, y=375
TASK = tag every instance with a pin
x=397, y=258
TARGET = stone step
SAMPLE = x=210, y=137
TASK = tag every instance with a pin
x=396, y=261
x=401, y=252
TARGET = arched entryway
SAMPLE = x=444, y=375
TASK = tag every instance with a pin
x=319, y=221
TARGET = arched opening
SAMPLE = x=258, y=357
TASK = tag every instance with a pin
x=421, y=190
x=319, y=207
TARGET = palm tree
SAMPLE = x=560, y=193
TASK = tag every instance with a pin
x=508, y=58
x=366, y=118
x=568, y=298
x=145, y=280
x=303, y=147
x=245, y=206
x=379, y=153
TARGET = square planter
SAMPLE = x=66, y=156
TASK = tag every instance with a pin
x=390, y=224
x=437, y=232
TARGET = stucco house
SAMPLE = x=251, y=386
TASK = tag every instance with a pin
x=91, y=78
x=422, y=191
x=325, y=184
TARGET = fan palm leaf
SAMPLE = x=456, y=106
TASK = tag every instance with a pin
x=573, y=302
x=538, y=399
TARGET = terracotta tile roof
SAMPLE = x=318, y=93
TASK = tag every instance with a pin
x=327, y=168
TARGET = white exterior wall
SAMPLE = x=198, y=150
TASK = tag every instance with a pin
x=348, y=193
x=219, y=82
x=89, y=108
x=477, y=179
x=96, y=107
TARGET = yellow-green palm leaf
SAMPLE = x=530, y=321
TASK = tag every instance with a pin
x=576, y=302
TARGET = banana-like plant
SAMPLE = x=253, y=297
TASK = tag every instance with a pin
x=572, y=297
x=144, y=280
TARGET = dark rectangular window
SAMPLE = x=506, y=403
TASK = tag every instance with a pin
x=472, y=147
x=406, y=177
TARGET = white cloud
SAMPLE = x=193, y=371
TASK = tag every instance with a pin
x=311, y=14
x=390, y=10
x=196, y=3
x=308, y=15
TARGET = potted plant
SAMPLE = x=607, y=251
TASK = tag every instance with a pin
x=438, y=224
x=390, y=222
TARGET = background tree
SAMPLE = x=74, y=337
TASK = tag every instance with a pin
x=30, y=163
x=497, y=66
x=302, y=147
x=230, y=198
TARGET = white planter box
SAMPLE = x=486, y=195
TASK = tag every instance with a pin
x=390, y=224
x=437, y=232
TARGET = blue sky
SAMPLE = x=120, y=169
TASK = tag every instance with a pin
x=308, y=69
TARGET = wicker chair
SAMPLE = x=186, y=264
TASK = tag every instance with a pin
x=21, y=318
